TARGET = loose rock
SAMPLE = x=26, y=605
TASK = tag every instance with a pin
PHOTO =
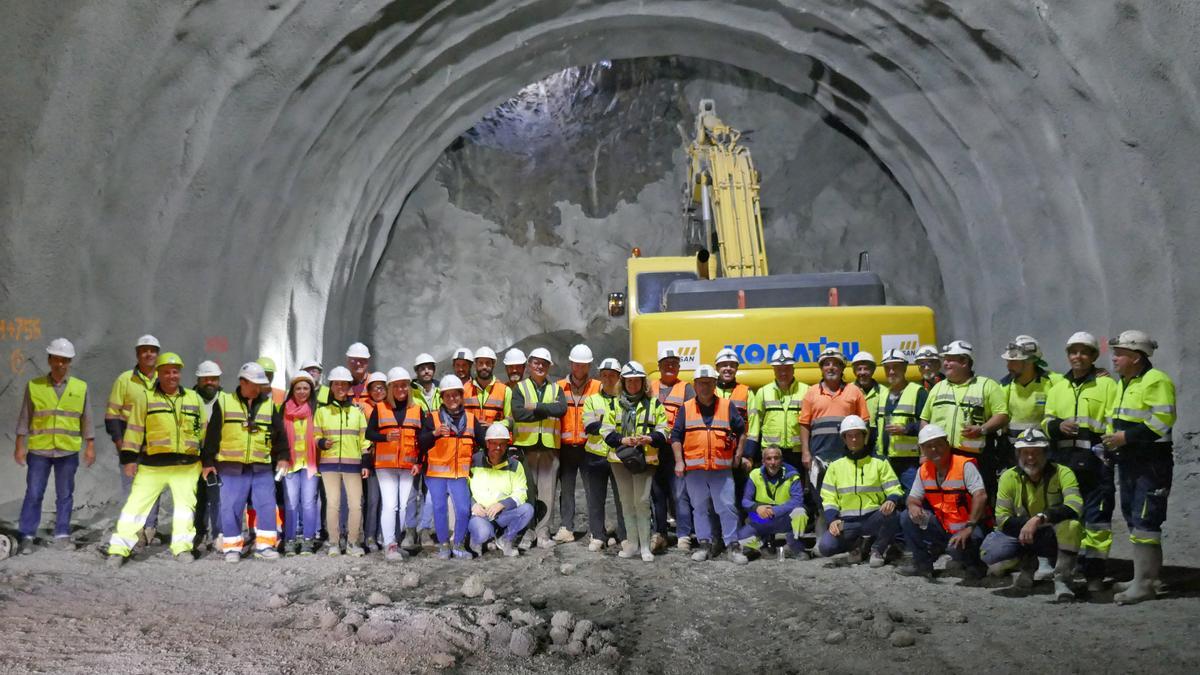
x=562, y=619
x=329, y=619
x=525, y=618
x=583, y=628
x=903, y=638
x=566, y=569
x=610, y=654
x=537, y=602
x=559, y=635
x=278, y=601
x=473, y=586
x=957, y=617
x=523, y=642
x=575, y=648
x=443, y=660
x=594, y=644
x=500, y=635
x=835, y=637
x=410, y=580
x=376, y=632
x=489, y=595
x=355, y=619
x=882, y=626
x=376, y=598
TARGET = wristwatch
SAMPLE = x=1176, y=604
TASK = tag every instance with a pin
x=1045, y=518
x=971, y=524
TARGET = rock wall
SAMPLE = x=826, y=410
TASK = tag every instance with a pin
x=226, y=174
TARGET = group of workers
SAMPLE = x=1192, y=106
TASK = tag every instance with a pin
x=1016, y=475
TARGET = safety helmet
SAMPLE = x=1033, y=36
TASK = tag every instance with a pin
x=376, y=377
x=863, y=357
x=61, y=347
x=704, y=371
x=852, y=423
x=543, y=354
x=959, y=348
x=451, y=382
x=398, y=374
x=668, y=353
x=147, y=341
x=927, y=353
x=208, y=369
x=340, y=374
x=894, y=356
x=496, y=432
x=485, y=353
x=610, y=364
x=514, y=357
x=358, y=351
x=422, y=359
x=1083, y=338
x=580, y=354
x=831, y=353
x=726, y=355
x=252, y=372
x=1022, y=348
x=168, y=359
x=1137, y=340
x=782, y=357
x=929, y=432
x=1031, y=438
x=633, y=369
x=464, y=354
x=267, y=363
x=311, y=363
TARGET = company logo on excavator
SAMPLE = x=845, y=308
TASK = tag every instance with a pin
x=805, y=352
x=687, y=350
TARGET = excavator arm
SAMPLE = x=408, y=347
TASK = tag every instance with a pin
x=721, y=198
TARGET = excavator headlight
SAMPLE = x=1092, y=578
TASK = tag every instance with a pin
x=616, y=304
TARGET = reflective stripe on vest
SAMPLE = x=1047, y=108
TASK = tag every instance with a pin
x=765, y=493
x=672, y=399
x=905, y=412
x=450, y=456
x=401, y=454
x=595, y=442
x=54, y=422
x=963, y=412
x=244, y=440
x=779, y=416
x=545, y=432
x=950, y=501
x=739, y=397
x=710, y=446
x=490, y=407
x=172, y=424
x=572, y=422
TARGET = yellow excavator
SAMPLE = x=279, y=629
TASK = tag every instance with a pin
x=699, y=306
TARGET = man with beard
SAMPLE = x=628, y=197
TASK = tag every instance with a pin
x=863, y=364
x=208, y=497
x=514, y=366
x=492, y=402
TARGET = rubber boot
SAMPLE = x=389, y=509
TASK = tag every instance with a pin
x=1147, y=562
x=1064, y=570
x=1093, y=571
x=1045, y=571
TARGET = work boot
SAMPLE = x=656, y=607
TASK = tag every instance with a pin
x=477, y=549
x=148, y=535
x=460, y=553
x=596, y=545
x=394, y=553
x=333, y=551
x=64, y=544
x=702, y=552
x=647, y=555
x=185, y=557
x=736, y=556
x=527, y=540
x=684, y=544
x=306, y=547
x=564, y=536
x=355, y=551
x=268, y=553
x=860, y=552
x=1028, y=567
x=410, y=538
x=915, y=570
x=26, y=546
x=115, y=560
x=427, y=539
x=658, y=544
x=1064, y=570
x=999, y=569
x=545, y=542
x=444, y=552
x=876, y=560
x=233, y=556
x=1045, y=571
x=506, y=547
x=1147, y=563
x=628, y=550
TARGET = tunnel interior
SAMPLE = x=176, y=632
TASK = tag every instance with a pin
x=284, y=178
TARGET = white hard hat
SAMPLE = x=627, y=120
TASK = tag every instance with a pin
x=485, y=353
x=633, y=369
x=311, y=363
x=927, y=352
x=894, y=356
x=1032, y=438
x=725, y=355
x=959, y=348
x=1022, y=348
x=451, y=382
x=930, y=432
x=831, y=353
x=358, y=351
x=580, y=354
x=340, y=374
x=61, y=347
x=377, y=376
x=1083, y=338
x=704, y=370
x=398, y=374
x=208, y=369
x=852, y=423
x=863, y=357
x=668, y=353
x=782, y=357
x=464, y=354
x=610, y=364
x=1136, y=340
x=514, y=357
x=147, y=341
x=253, y=372
x=543, y=354
x=423, y=358
x=496, y=432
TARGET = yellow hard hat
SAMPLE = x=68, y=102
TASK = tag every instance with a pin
x=168, y=359
x=267, y=363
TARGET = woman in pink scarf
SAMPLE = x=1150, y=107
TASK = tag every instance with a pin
x=300, y=484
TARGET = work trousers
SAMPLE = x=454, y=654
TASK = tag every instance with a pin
x=633, y=491
x=597, y=479
x=335, y=482
x=239, y=489
x=396, y=498
x=37, y=476
x=509, y=524
x=541, y=470
x=926, y=545
x=147, y=485
x=572, y=459
x=1145, y=486
x=711, y=492
x=877, y=525
x=459, y=491
x=300, y=504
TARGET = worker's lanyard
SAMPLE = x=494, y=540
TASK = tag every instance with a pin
x=958, y=405
x=577, y=402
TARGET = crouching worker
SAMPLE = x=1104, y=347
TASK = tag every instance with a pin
x=945, y=508
x=500, y=507
x=860, y=495
x=1037, y=514
x=774, y=503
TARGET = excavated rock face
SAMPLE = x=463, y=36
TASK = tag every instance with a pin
x=228, y=176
